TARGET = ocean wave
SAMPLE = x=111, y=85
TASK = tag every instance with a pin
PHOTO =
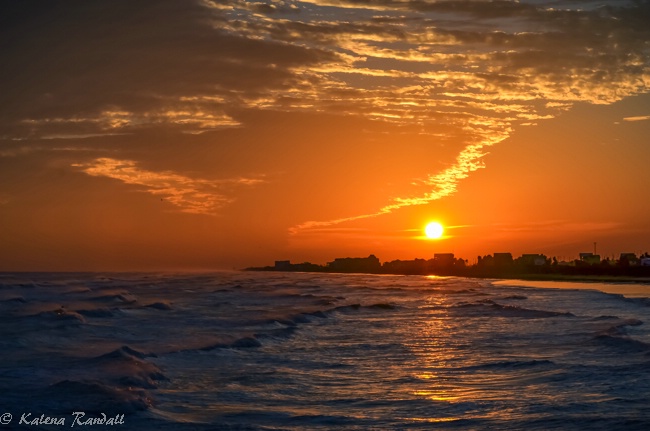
x=246, y=342
x=319, y=314
x=280, y=333
x=512, y=364
x=99, y=312
x=616, y=336
x=326, y=300
x=465, y=292
x=605, y=317
x=515, y=297
x=95, y=397
x=126, y=352
x=623, y=343
x=60, y=317
x=489, y=307
x=571, y=419
x=358, y=307
x=618, y=329
x=77, y=290
x=382, y=306
x=14, y=300
x=344, y=308
x=645, y=302
x=160, y=305
x=122, y=297
x=125, y=367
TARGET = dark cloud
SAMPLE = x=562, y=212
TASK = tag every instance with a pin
x=98, y=66
x=479, y=9
x=81, y=57
x=273, y=8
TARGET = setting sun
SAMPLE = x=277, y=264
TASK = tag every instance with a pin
x=434, y=230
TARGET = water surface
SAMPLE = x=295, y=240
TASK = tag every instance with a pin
x=290, y=351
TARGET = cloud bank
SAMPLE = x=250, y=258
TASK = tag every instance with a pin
x=465, y=73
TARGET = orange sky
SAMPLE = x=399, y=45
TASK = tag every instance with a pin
x=200, y=134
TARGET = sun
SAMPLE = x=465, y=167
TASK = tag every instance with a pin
x=434, y=230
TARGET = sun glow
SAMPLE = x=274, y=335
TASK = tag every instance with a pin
x=434, y=230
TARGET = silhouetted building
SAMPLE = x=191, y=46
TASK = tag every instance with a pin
x=416, y=266
x=497, y=265
x=283, y=265
x=532, y=259
x=368, y=264
x=443, y=259
x=306, y=267
x=590, y=258
x=502, y=259
x=628, y=259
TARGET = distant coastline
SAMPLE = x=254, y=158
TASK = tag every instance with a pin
x=628, y=269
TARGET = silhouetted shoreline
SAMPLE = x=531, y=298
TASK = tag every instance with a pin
x=628, y=268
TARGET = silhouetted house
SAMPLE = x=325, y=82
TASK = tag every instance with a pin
x=628, y=259
x=590, y=258
x=485, y=261
x=306, y=267
x=283, y=265
x=593, y=260
x=443, y=259
x=532, y=259
x=368, y=264
x=502, y=259
x=417, y=266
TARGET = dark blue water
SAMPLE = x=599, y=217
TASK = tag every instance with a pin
x=276, y=351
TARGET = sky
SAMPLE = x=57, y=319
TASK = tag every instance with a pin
x=221, y=134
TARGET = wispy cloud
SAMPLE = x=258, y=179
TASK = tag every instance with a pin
x=190, y=195
x=442, y=185
x=640, y=118
x=561, y=226
x=17, y=151
x=187, y=116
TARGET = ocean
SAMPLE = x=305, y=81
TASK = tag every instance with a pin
x=313, y=351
